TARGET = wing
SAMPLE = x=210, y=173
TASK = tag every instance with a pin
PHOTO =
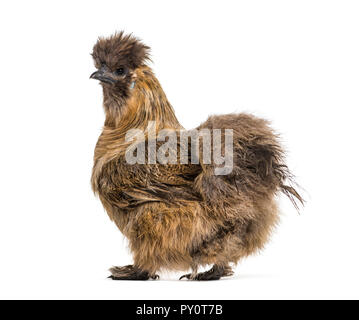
x=136, y=184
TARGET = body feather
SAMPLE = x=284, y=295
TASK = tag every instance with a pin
x=178, y=216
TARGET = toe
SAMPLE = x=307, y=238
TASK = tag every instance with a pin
x=187, y=276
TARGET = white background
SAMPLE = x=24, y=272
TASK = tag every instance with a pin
x=294, y=62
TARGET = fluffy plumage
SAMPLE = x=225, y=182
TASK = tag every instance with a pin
x=180, y=216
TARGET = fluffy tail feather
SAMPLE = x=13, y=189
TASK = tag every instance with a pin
x=259, y=166
x=293, y=195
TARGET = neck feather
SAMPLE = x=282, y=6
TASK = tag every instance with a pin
x=147, y=102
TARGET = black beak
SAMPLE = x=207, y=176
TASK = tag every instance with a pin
x=103, y=76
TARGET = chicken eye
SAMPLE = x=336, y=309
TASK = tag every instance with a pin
x=120, y=71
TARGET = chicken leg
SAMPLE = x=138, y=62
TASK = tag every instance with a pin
x=131, y=272
x=215, y=273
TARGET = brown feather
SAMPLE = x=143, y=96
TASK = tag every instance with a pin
x=180, y=216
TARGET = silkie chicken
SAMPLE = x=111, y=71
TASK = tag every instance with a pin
x=180, y=216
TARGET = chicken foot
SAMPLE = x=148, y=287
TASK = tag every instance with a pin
x=215, y=273
x=131, y=272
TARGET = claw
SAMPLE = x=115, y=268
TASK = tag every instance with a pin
x=188, y=276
